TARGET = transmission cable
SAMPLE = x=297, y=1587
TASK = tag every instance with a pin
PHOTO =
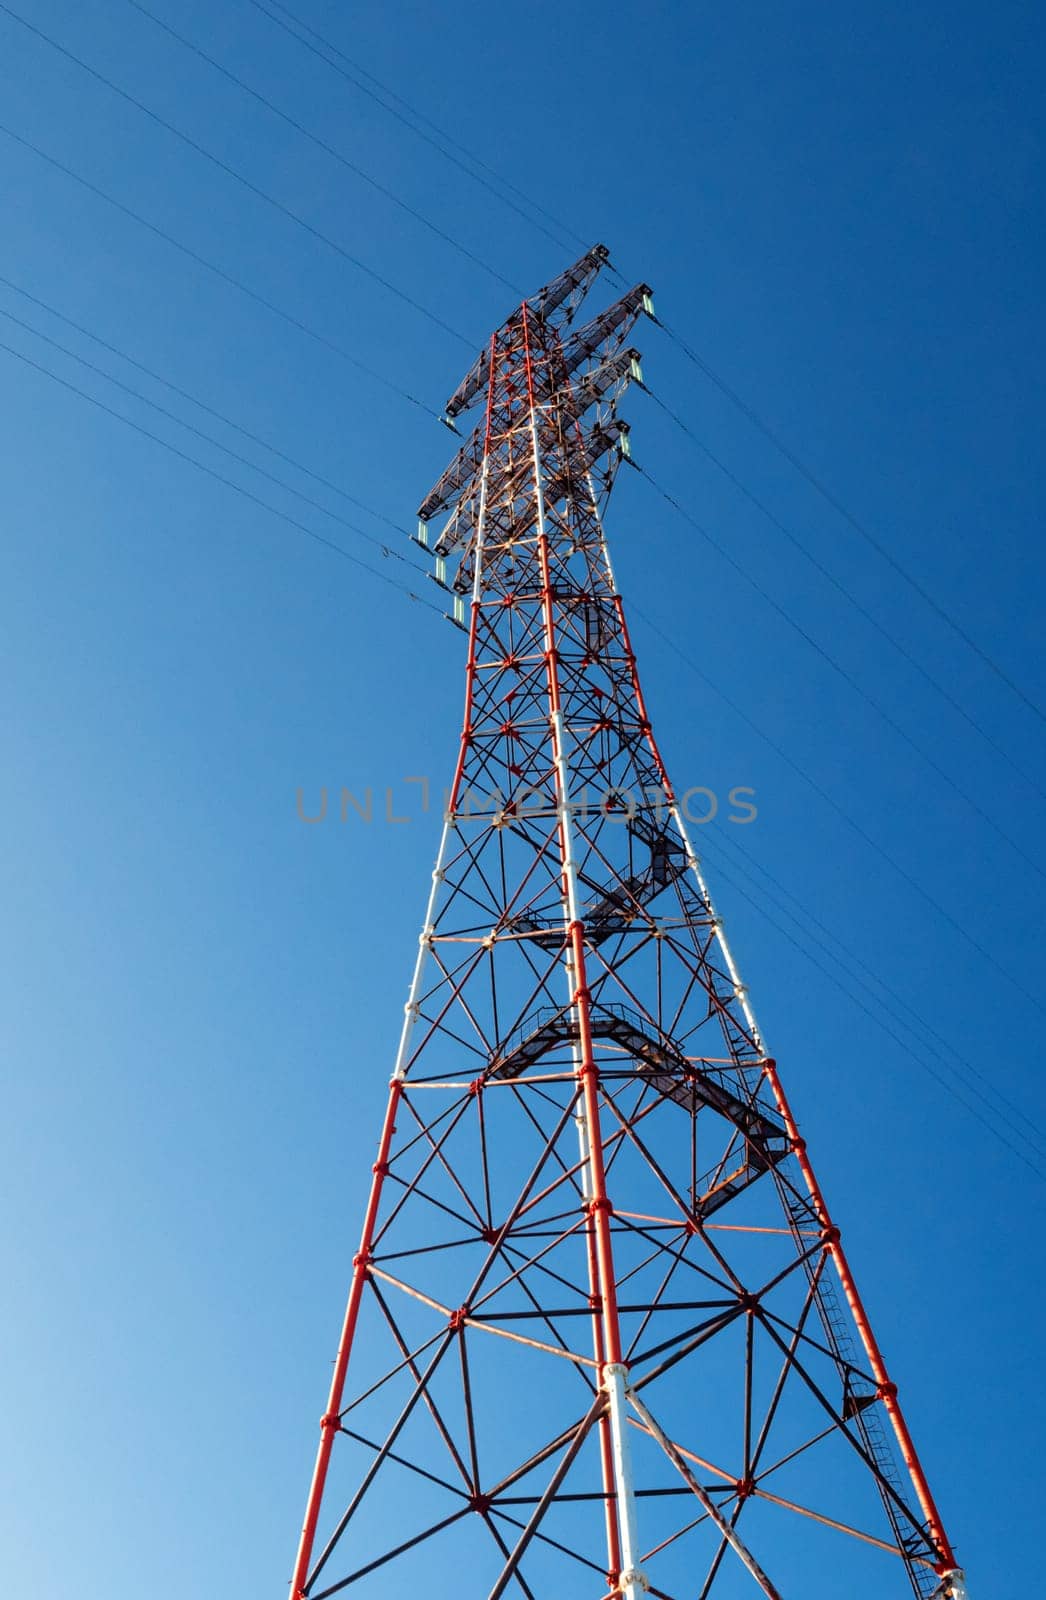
x=788, y=903
x=219, y=477
x=747, y=410
x=841, y=588
x=840, y=810
x=241, y=178
x=898, y=1038
x=905, y=1044
x=854, y=522
x=564, y=231
x=321, y=144
x=245, y=461
x=195, y=400
x=846, y=677
x=220, y=272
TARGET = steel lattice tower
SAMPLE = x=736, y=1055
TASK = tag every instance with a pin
x=602, y=1337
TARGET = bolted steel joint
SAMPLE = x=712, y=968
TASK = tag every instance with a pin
x=633, y=1577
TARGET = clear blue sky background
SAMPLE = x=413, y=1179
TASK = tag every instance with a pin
x=841, y=207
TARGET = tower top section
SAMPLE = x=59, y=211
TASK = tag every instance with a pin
x=581, y=368
x=557, y=302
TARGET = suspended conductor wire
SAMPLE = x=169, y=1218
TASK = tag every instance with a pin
x=840, y=810
x=846, y=677
x=898, y=1038
x=239, y=177
x=791, y=900
x=788, y=903
x=675, y=417
x=229, y=483
x=245, y=461
x=321, y=144
x=746, y=409
x=195, y=400
x=841, y=588
x=564, y=231
x=220, y=272
x=848, y=516
x=905, y=1044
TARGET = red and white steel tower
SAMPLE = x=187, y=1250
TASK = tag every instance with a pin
x=602, y=1337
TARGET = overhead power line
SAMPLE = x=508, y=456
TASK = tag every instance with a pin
x=211, y=411
x=339, y=62
x=905, y=1044
x=219, y=477
x=841, y=588
x=843, y=674
x=235, y=455
x=790, y=905
x=276, y=6
x=862, y=833
x=270, y=10
x=220, y=272
x=329, y=149
x=854, y=522
x=239, y=177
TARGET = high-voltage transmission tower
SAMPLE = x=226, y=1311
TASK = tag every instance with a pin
x=602, y=1336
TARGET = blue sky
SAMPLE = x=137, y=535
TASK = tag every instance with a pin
x=841, y=209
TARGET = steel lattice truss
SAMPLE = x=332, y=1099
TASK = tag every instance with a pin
x=602, y=1336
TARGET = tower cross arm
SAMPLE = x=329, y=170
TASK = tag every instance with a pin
x=563, y=294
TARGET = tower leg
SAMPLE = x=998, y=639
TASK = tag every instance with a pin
x=330, y=1421
x=632, y=1580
